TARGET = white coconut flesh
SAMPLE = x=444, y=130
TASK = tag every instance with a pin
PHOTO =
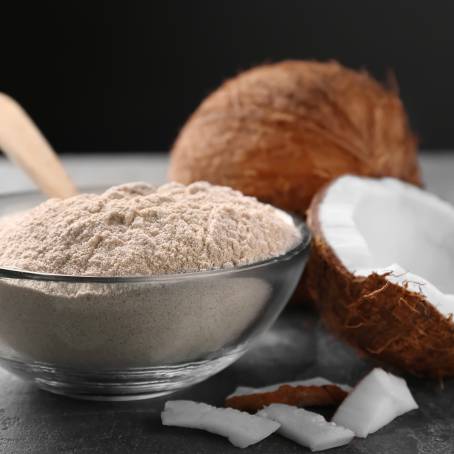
x=307, y=428
x=385, y=226
x=375, y=401
x=241, y=428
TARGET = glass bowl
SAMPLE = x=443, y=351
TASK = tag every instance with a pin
x=124, y=338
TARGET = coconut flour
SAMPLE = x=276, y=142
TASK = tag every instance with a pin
x=136, y=229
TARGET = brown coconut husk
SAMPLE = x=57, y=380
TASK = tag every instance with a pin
x=299, y=396
x=379, y=318
x=281, y=131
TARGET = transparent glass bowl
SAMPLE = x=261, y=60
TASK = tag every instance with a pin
x=122, y=338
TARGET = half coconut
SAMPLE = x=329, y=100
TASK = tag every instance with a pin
x=382, y=271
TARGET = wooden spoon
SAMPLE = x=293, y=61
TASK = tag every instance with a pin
x=23, y=142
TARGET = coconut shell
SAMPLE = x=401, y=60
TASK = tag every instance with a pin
x=297, y=396
x=281, y=131
x=379, y=318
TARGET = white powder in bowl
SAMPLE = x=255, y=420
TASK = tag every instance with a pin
x=117, y=326
x=136, y=229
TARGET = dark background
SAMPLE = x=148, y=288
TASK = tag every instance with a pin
x=125, y=75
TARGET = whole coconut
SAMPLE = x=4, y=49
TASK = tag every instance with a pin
x=281, y=131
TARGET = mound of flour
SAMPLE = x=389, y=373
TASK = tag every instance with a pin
x=138, y=229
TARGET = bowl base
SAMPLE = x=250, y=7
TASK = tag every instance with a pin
x=56, y=388
x=119, y=384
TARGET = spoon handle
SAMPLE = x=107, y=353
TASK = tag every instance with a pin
x=23, y=142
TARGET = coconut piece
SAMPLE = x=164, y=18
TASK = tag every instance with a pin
x=307, y=428
x=241, y=429
x=304, y=396
x=281, y=131
x=378, y=398
x=380, y=271
x=315, y=381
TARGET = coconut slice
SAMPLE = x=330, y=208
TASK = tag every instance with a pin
x=298, y=396
x=315, y=381
x=307, y=428
x=378, y=398
x=381, y=271
x=241, y=429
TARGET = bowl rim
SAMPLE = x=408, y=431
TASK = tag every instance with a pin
x=16, y=273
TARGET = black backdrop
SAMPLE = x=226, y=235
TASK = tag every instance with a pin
x=124, y=75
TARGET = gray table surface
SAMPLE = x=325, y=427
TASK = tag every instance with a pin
x=36, y=422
